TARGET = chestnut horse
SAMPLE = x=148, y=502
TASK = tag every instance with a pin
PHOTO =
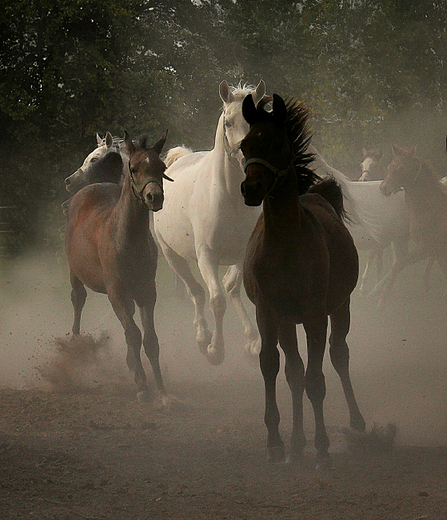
x=426, y=199
x=111, y=251
x=301, y=266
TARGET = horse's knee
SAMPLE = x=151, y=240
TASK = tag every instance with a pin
x=315, y=386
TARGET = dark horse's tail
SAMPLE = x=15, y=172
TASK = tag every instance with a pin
x=330, y=190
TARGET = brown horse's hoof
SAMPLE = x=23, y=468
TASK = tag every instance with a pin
x=276, y=454
x=144, y=396
x=324, y=462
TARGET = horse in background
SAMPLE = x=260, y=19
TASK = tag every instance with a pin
x=426, y=199
x=204, y=221
x=375, y=222
x=301, y=266
x=111, y=250
x=84, y=175
x=371, y=165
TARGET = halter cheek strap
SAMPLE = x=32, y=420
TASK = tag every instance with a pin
x=139, y=188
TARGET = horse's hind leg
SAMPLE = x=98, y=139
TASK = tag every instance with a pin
x=78, y=297
x=339, y=352
x=150, y=339
x=232, y=282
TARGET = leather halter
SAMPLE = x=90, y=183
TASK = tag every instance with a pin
x=278, y=173
x=139, y=188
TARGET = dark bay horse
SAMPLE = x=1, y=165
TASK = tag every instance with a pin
x=301, y=265
x=111, y=250
x=426, y=199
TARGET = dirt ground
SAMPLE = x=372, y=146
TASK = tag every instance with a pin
x=76, y=444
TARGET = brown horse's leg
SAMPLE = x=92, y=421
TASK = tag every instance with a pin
x=339, y=351
x=78, y=297
x=150, y=341
x=269, y=361
x=124, y=308
x=295, y=378
x=316, y=331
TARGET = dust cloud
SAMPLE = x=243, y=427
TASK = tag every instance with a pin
x=398, y=353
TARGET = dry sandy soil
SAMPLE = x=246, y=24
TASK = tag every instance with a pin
x=76, y=444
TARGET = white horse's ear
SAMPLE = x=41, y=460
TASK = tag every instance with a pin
x=98, y=139
x=225, y=93
x=109, y=139
x=259, y=93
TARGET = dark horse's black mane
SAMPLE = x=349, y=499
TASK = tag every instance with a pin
x=298, y=131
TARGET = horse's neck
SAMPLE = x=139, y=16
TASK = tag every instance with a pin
x=131, y=216
x=225, y=169
x=425, y=194
x=283, y=212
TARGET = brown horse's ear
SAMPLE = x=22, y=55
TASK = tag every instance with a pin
x=279, y=109
x=249, y=110
x=129, y=144
x=158, y=146
x=413, y=150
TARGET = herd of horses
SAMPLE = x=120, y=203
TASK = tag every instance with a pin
x=265, y=203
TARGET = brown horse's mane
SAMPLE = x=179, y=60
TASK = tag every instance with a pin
x=299, y=134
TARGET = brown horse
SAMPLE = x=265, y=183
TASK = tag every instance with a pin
x=426, y=199
x=301, y=265
x=111, y=250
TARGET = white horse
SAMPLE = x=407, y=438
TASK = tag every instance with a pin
x=79, y=178
x=376, y=221
x=205, y=220
x=372, y=168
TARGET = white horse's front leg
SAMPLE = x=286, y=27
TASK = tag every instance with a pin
x=232, y=282
x=209, y=266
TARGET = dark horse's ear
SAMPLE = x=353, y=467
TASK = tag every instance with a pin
x=158, y=146
x=279, y=109
x=129, y=144
x=249, y=110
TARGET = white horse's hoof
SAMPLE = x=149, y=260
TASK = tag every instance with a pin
x=214, y=355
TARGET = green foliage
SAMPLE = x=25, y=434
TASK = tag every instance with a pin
x=371, y=71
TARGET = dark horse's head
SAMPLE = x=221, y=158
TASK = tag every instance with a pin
x=146, y=170
x=274, y=147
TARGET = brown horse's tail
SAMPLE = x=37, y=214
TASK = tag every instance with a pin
x=330, y=190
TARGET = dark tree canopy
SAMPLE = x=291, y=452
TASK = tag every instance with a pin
x=371, y=71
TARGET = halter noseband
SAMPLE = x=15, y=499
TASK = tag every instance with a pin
x=277, y=172
x=139, y=188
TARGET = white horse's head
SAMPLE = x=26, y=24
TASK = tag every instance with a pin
x=234, y=126
x=106, y=144
x=371, y=165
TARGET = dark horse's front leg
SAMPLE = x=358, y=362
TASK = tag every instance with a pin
x=269, y=361
x=295, y=378
x=316, y=331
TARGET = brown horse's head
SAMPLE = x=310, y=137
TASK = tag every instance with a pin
x=266, y=149
x=402, y=171
x=147, y=170
x=275, y=147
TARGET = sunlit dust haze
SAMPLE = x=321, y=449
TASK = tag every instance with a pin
x=398, y=353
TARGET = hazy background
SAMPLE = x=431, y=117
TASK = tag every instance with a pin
x=372, y=72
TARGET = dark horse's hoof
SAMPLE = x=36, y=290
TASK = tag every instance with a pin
x=276, y=454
